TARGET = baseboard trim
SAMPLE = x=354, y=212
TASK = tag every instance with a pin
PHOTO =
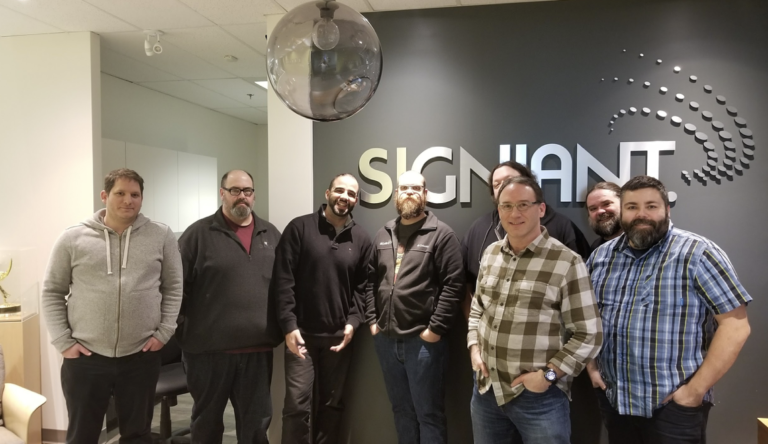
x=52, y=435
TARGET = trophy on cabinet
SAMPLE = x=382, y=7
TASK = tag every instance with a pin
x=7, y=307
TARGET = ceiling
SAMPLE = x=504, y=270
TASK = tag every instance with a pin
x=198, y=35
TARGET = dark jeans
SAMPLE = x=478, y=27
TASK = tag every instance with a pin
x=89, y=381
x=313, y=392
x=586, y=424
x=243, y=378
x=670, y=424
x=536, y=418
x=414, y=374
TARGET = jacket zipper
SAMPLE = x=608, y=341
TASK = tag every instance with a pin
x=119, y=286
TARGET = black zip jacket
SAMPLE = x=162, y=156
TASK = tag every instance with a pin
x=487, y=230
x=430, y=282
x=319, y=278
x=226, y=303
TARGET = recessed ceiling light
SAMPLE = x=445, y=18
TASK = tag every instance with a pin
x=262, y=84
x=230, y=58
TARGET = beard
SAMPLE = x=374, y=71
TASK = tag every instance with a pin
x=410, y=207
x=240, y=211
x=607, y=226
x=646, y=237
x=340, y=212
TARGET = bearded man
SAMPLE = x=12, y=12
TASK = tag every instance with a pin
x=415, y=285
x=603, y=205
x=318, y=284
x=674, y=320
x=227, y=325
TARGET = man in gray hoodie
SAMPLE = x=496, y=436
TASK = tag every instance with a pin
x=111, y=296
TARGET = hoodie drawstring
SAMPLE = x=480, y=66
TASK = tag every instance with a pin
x=127, y=242
x=109, y=253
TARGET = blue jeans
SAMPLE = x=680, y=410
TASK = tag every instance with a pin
x=414, y=373
x=540, y=418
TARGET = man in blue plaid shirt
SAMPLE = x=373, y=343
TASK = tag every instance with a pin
x=674, y=320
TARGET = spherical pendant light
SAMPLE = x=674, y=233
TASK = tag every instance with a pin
x=324, y=60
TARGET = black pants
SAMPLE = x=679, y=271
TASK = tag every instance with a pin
x=243, y=378
x=89, y=381
x=670, y=424
x=313, y=392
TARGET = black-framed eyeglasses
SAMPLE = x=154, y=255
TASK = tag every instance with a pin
x=235, y=191
x=522, y=206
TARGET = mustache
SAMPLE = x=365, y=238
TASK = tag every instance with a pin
x=650, y=222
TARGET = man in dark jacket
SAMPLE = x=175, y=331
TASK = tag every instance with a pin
x=227, y=327
x=415, y=285
x=603, y=207
x=319, y=287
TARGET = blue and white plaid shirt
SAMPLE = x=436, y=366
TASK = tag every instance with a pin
x=658, y=314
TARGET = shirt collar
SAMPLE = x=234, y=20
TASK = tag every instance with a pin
x=535, y=246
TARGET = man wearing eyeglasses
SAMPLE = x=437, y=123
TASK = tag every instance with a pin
x=585, y=417
x=227, y=325
x=415, y=285
x=530, y=287
x=318, y=284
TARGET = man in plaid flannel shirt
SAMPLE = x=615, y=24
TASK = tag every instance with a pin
x=529, y=287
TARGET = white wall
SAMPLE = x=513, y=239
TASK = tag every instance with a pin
x=49, y=131
x=290, y=158
x=142, y=116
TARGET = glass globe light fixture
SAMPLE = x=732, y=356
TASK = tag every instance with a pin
x=324, y=60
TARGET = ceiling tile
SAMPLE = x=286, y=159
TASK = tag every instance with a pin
x=126, y=68
x=495, y=2
x=212, y=44
x=253, y=115
x=237, y=89
x=69, y=15
x=192, y=93
x=173, y=60
x=230, y=12
x=357, y=5
x=153, y=14
x=14, y=23
x=392, y=5
x=252, y=34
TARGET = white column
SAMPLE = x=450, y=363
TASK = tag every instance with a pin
x=290, y=158
x=50, y=134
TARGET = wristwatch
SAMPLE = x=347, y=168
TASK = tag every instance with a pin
x=550, y=375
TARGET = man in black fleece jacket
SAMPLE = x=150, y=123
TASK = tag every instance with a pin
x=319, y=283
x=415, y=285
x=227, y=326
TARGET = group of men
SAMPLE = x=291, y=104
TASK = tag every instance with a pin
x=656, y=314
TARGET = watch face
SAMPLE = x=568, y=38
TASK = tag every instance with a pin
x=550, y=375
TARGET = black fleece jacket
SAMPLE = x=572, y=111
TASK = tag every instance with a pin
x=430, y=281
x=226, y=304
x=487, y=230
x=319, y=278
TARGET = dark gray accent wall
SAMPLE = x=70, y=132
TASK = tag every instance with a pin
x=480, y=77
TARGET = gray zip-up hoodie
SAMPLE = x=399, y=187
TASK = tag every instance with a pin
x=112, y=292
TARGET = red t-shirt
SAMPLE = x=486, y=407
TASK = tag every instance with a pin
x=245, y=234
